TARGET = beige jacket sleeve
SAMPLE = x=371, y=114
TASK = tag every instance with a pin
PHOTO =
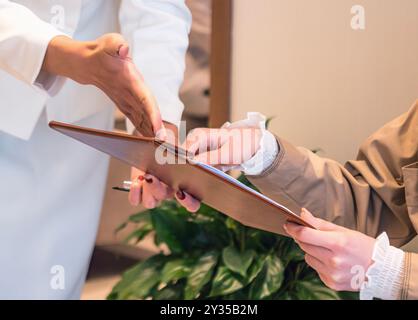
x=376, y=192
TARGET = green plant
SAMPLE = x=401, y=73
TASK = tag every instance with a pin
x=214, y=257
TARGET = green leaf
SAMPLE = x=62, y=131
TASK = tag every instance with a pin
x=347, y=295
x=289, y=251
x=314, y=290
x=211, y=235
x=200, y=275
x=171, y=292
x=137, y=282
x=231, y=224
x=209, y=212
x=120, y=227
x=225, y=282
x=237, y=261
x=173, y=230
x=269, y=279
x=269, y=119
x=144, y=216
x=243, y=179
x=139, y=234
x=176, y=269
x=255, y=268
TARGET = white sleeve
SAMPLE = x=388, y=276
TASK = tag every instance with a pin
x=24, y=39
x=268, y=147
x=157, y=31
x=264, y=157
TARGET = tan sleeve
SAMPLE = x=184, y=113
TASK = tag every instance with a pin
x=366, y=194
x=410, y=278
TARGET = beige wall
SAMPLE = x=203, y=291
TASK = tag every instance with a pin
x=328, y=85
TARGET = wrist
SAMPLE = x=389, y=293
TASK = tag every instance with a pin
x=68, y=58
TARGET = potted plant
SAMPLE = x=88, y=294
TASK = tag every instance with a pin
x=211, y=256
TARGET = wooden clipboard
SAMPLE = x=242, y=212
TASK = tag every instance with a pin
x=210, y=185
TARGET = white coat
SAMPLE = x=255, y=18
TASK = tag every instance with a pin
x=51, y=187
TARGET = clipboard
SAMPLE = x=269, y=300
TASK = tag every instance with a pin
x=206, y=183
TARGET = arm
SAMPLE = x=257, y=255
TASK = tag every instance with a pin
x=158, y=33
x=366, y=194
x=24, y=39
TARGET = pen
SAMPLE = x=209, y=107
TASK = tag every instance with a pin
x=125, y=188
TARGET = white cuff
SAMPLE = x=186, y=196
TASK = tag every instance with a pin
x=267, y=151
x=384, y=276
x=264, y=157
x=50, y=83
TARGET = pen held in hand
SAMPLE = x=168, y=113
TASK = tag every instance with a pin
x=125, y=188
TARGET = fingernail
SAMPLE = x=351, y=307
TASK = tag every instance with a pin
x=149, y=180
x=141, y=178
x=161, y=134
x=180, y=195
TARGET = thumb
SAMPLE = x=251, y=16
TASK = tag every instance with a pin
x=318, y=223
x=123, y=51
x=157, y=121
x=115, y=44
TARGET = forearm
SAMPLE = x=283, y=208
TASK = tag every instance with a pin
x=65, y=57
x=365, y=194
x=300, y=179
x=24, y=38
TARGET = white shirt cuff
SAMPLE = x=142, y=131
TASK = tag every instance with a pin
x=268, y=147
x=384, y=276
x=52, y=84
x=264, y=157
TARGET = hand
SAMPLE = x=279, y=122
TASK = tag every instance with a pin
x=149, y=191
x=105, y=63
x=333, y=251
x=218, y=147
x=223, y=146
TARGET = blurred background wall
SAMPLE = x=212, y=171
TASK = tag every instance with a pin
x=327, y=85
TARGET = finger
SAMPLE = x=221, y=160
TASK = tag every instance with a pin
x=114, y=42
x=158, y=189
x=316, y=264
x=148, y=199
x=146, y=112
x=135, y=192
x=137, y=174
x=311, y=236
x=187, y=201
x=318, y=223
x=123, y=51
x=197, y=141
x=320, y=253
